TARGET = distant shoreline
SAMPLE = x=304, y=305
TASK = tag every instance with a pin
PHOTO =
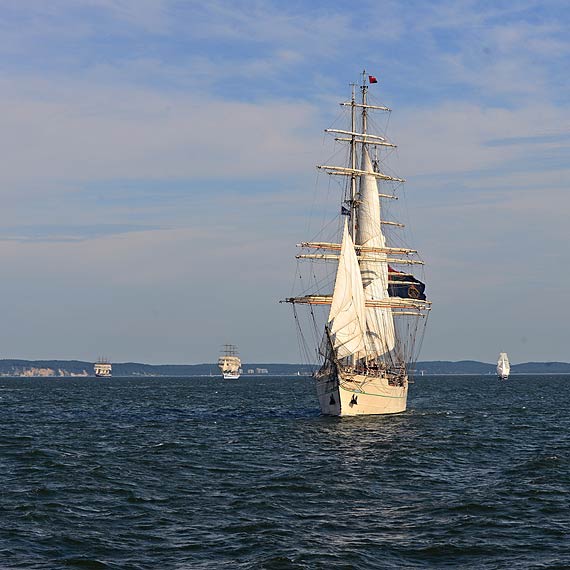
x=491, y=375
x=79, y=368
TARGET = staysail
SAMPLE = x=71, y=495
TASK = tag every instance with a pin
x=374, y=269
x=347, y=317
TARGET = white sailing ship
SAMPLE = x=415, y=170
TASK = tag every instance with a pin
x=229, y=362
x=103, y=368
x=376, y=313
x=503, y=366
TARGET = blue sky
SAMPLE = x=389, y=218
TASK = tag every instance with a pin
x=158, y=169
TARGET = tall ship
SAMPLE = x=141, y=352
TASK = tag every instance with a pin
x=503, y=366
x=103, y=368
x=229, y=362
x=367, y=309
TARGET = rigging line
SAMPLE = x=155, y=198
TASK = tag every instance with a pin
x=416, y=346
x=297, y=274
x=328, y=226
x=314, y=321
x=328, y=196
x=306, y=353
x=313, y=204
x=373, y=126
x=317, y=337
x=303, y=345
x=388, y=120
x=301, y=339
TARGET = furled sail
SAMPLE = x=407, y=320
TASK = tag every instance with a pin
x=347, y=317
x=374, y=269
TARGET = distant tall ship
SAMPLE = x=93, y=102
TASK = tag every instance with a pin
x=503, y=366
x=368, y=346
x=103, y=368
x=229, y=362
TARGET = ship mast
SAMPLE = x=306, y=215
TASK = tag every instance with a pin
x=353, y=203
x=364, y=89
x=353, y=154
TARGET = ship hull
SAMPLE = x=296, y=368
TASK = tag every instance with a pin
x=503, y=376
x=358, y=395
x=230, y=376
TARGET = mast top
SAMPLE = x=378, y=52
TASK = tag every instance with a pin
x=364, y=86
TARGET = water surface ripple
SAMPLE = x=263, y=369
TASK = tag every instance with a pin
x=172, y=473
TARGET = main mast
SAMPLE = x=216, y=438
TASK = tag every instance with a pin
x=353, y=203
x=364, y=89
x=353, y=149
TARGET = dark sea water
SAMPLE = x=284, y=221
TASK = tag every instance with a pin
x=204, y=473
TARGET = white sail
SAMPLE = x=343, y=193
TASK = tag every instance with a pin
x=347, y=317
x=503, y=365
x=103, y=368
x=374, y=269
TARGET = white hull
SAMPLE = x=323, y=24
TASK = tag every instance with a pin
x=503, y=372
x=360, y=395
x=231, y=376
x=103, y=370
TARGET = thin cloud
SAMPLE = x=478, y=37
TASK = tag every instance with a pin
x=105, y=133
x=66, y=233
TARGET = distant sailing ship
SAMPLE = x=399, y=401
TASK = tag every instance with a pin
x=503, y=366
x=376, y=313
x=103, y=368
x=229, y=362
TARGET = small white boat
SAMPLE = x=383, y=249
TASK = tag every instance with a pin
x=503, y=366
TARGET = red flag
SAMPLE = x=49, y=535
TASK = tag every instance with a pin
x=372, y=79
